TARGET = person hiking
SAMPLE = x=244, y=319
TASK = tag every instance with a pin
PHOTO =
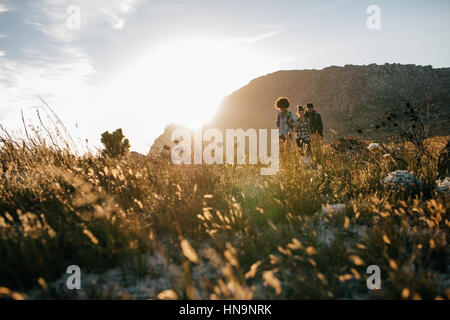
x=303, y=130
x=286, y=120
x=315, y=120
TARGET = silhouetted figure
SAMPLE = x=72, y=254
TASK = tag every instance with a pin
x=315, y=120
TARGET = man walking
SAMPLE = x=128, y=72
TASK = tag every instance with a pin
x=315, y=120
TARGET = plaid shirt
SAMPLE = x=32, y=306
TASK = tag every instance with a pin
x=303, y=131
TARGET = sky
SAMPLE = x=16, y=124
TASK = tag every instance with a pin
x=142, y=64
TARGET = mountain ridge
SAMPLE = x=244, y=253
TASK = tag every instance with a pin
x=346, y=97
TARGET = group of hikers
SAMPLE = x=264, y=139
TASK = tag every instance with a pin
x=307, y=125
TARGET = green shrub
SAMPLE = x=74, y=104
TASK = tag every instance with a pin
x=115, y=144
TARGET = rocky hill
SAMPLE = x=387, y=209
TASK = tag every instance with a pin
x=347, y=97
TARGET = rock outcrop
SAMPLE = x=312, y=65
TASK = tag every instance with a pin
x=342, y=95
x=347, y=97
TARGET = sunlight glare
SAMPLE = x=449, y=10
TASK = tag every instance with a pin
x=182, y=82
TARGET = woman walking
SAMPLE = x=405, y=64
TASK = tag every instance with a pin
x=303, y=130
x=285, y=119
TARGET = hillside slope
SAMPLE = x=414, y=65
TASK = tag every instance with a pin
x=346, y=97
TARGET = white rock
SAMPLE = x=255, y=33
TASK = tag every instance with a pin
x=443, y=186
x=401, y=179
x=373, y=146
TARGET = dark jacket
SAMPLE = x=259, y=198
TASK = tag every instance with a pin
x=315, y=122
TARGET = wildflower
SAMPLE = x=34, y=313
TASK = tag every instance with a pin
x=295, y=245
x=356, y=260
x=345, y=277
x=355, y=273
x=260, y=210
x=393, y=264
x=188, y=251
x=91, y=237
x=7, y=292
x=253, y=269
x=432, y=244
x=346, y=222
x=321, y=277
x=168, y=295
x=405, y=293
x=231, y=255
x=272, y=281
x=273, y=259
x=42, y=283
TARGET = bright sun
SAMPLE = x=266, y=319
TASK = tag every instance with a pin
x=191, y=78
x=181, y=82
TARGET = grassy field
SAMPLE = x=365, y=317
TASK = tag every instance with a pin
x=140, y=227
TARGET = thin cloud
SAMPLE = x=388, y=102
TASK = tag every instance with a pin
x=31, y=23
x=3, y=8
x=163, y=7
x=116, y=22
x=62, y=77
x=54, y=78
x=66, y=71
x=258, y=38
x=291, y=24
x=50, y=17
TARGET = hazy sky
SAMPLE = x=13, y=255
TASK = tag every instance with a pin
x=136, y=64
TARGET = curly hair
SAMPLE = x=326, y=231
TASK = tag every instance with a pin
x=282, y=103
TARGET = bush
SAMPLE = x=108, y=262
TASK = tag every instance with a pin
x=115, y=144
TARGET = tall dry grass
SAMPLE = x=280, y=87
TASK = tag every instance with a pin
x=223, y=231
